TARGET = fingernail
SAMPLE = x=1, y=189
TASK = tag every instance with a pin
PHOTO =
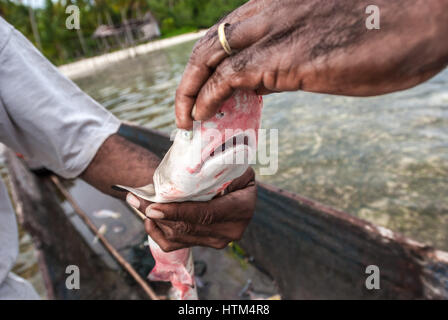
x=193, y=112
x=154, y=214
x=132, y=200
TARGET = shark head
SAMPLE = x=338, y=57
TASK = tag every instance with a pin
x=202, y=162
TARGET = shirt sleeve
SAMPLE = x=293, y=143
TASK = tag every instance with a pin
x=43, y=114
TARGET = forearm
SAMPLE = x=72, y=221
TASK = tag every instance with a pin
x=119, y=161
x=341, y=56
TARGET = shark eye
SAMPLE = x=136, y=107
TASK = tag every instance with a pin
x=220, y=114
x=187, y=134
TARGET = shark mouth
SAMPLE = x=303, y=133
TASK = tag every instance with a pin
x=239, y=139
x=231, y=143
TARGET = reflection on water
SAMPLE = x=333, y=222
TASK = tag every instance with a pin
x=384, y=159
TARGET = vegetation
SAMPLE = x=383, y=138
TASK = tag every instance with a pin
x=45, y=26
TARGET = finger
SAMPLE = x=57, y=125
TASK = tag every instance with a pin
x=261, y=91
x=178, y=230
x=247, y=10
x=237, y=205
x=207, y=55
x=247, y=179
x=137, y=202
x=189, y=240
x=157, y=235
x=236, y=72
x=192, y=80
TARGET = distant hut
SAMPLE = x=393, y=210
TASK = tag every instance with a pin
x=129, y=32
x=149, y=28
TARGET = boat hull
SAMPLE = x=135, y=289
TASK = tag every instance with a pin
x=310, y=250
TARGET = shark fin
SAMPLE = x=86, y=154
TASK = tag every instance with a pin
x=146, y=192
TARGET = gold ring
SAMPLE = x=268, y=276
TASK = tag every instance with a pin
x=222, y=38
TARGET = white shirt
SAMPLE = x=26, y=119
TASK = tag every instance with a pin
x=48, y=119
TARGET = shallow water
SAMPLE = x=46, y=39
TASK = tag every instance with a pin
x=384, y=159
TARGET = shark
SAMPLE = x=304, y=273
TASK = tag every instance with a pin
x=200, y=165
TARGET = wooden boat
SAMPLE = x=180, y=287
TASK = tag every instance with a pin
x=297, y=246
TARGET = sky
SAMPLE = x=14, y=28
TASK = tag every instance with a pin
x=34, y=3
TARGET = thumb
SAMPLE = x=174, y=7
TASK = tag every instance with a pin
x=138, y=203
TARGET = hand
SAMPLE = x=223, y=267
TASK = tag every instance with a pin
x=213, y=223
x=314, y=45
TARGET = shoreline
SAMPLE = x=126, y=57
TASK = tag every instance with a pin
x=88, y=66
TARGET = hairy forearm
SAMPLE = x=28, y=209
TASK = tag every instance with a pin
x=119, y=161
x=344, y=57
x=320, y=46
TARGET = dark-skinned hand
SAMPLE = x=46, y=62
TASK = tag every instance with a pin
x=212, y=223
x=317, y=46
